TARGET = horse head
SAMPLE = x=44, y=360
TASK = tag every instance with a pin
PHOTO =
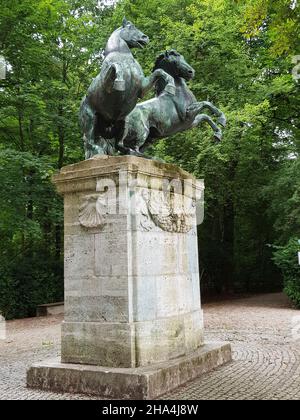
x=174, y=63
x=133, y=37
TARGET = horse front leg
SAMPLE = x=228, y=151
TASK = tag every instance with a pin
x=197, y=107
x=149, y=82
x=203, y=117
x=114, y=79
x=121, y=132
x=136, y=133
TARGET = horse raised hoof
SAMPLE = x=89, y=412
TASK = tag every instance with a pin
x=222, y=120
x=119, y=85
x=171, y=89
x=218, y=137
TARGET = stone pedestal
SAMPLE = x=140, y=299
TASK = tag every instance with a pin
x=132, y=296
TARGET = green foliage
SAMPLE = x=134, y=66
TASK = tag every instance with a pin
x=30, y=211
x=286, y=258
x=32, y=280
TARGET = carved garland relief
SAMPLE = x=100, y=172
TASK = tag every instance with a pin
x=155, y=207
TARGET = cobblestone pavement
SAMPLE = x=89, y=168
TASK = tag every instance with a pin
x=266, y=355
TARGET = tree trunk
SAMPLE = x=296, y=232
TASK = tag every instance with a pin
x=60, y=163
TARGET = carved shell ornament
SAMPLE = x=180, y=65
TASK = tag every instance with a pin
x=91, y=212
x=163, y=212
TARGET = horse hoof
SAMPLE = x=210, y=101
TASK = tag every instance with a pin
x=119, y=85
x=218, y=137
x=171, y=89
x=222, y=120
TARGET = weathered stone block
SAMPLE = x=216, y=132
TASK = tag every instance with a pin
x=90, y=343
x=158, y=253
x=144, y=383
x=96, y=309
x=111, y=254
x=79, y=255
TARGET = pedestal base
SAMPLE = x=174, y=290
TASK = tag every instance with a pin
x=144, y=383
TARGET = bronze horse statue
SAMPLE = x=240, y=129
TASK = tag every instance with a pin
x=115, y=92
x=166, y=115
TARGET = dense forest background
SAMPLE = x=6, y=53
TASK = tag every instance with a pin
x=244, y=54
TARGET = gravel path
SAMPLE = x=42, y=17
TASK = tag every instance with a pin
x=266, y=354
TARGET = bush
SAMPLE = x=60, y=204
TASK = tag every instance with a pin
x=286, y=259
x=32, y=281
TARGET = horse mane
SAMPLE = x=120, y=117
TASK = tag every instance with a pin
x=163, y=62
x=165, y=57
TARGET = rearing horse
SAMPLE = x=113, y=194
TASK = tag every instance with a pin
x=166, y=115
x=115, y=92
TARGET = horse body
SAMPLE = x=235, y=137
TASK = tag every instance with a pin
x=115, y=91
x=159, y=116
x=175, y=110
x=167, y=115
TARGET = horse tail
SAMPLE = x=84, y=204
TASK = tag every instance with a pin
x=86, y=115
